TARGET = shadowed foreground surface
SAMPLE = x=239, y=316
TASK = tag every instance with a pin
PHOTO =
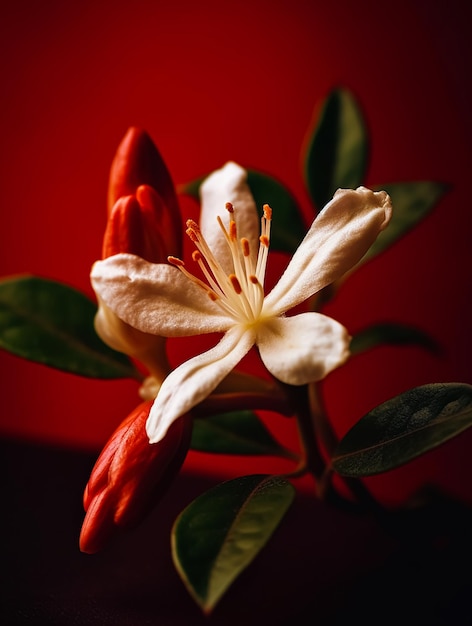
x=322, y=566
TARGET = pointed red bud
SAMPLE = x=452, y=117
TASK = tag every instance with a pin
x=140, y=225
x=138, y=170
x=138, y=162
x=130, y=476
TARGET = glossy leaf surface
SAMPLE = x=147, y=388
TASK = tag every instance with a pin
x=404, y=428
x=50, y=323
x=218, y=535
x=412, y=202
x=392, y=334
x=238, y=432
x=287, y=227
x=337, y=152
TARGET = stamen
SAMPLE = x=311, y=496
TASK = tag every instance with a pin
x=181, y=266
x=264, y=240
x=232, y=231
x=175, y=261
x=267, y=212
x=245, y=246
x=193, y=225
x=241, y=293
x=192, y=234
x=236, y=284
x=258, y=292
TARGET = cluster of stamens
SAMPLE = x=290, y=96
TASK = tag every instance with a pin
x=240, y=293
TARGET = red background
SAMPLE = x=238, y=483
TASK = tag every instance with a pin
x=213, y=81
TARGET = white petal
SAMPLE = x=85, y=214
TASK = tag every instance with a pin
x=304, y=348
x=195, y=379
x=155, y=298
x=338, y=238
x=228, y=184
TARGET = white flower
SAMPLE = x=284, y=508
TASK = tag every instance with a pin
x=167, y=300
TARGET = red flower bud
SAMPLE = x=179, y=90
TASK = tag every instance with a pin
x=130, y=476
x=144, y=220
x=133, y=227
x=138, y=162
x=138, y=171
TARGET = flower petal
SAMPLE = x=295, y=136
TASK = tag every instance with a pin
x=155, y=299
x=304, y=348
x=338, y=238
x=195, y=379
x=228, y=184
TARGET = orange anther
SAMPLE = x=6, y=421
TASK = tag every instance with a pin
x=236, y=284
x=192, y=234
x=267, y=212
x=264, y=240
x=175, y=261
x=229, y=207
x=193, y=225
x=245, y=246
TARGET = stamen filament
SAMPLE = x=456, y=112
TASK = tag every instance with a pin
x=264, y=243
x=179, y=264
x=241, y=293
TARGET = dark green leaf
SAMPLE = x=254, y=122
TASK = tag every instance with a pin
x=288, y=227
x=220, y=533
x=411, y=202
x=239, y=432
x=337, y=152
x=192, y=188
x=392, y=334
x=50, y=323
x=404, y=428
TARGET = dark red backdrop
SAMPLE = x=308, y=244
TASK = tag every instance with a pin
x=212, y=81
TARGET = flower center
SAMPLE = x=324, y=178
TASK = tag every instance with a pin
x=240, y=293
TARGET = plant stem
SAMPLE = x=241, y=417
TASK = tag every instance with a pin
x=314, y=462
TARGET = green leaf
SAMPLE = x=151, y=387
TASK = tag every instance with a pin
x=50, y=323
x=238, y=432
x=287, y=228
x=411, y=202
x=337, y=151
x=392, y=334
x=220, y=533
x=192, y=188
x=404, y=428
